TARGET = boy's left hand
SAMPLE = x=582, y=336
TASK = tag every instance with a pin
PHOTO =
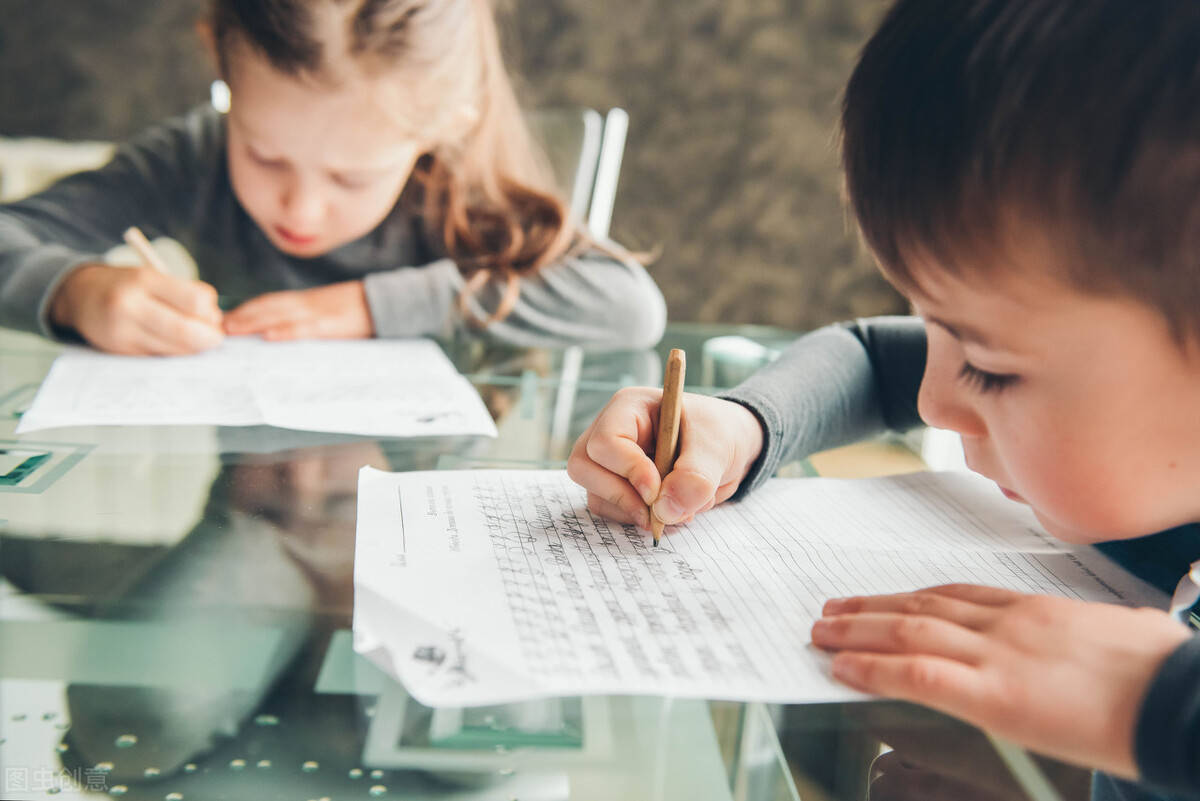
x=1062, y=677
x=336, y=311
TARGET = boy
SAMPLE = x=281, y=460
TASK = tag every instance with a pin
x=1027, y=172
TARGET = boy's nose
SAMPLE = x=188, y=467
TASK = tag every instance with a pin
x=943, y=401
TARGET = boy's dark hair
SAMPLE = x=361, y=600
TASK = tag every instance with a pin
x=966, y=122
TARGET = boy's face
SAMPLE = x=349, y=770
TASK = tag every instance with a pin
x=315, y=167
x=1081, y=406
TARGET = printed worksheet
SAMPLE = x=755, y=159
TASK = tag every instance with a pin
x=479, y=587
x=373, y=387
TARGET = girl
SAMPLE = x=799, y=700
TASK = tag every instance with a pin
x=373, y=177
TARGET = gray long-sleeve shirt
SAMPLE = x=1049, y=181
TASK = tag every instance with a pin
x=172, y=180
x=846, y=382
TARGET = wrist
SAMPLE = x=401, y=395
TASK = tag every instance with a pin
x=358, y=290
x=751, y=439
x=63, y=302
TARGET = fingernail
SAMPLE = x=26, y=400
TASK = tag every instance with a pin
x=667, y=510
x=833, y=606
x=819, y=629
x=846, y=670
x=208, y=335
x=644, y=490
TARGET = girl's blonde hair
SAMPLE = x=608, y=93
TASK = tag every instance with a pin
x=483, y=188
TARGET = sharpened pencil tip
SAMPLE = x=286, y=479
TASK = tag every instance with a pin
x=656, y=542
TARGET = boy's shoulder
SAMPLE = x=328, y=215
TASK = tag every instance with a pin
x=1108, y=788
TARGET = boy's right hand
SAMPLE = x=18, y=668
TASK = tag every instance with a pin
x=138, y=310
x=718, y=442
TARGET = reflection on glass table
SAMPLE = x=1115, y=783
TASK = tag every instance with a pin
x=175, y=612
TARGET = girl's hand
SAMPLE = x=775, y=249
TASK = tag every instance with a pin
x=1063, y=677
x=718, y=441
x=138, y=310
x=336, y=311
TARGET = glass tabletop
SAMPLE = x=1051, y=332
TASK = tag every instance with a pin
x=175, y=612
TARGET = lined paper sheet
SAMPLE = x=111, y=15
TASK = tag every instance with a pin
x=374, y=387
x=479, y=587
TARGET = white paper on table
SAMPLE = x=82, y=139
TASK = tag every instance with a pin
x=372, y=387
x=481, y=587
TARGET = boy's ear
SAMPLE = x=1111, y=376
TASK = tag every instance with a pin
x=208, y=41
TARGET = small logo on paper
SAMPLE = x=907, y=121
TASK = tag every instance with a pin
x=431, y=654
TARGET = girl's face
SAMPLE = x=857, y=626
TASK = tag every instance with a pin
x=315, y=166
x=1081, y=406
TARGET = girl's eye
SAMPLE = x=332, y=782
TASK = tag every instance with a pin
x=985, y=381
x=264, y=161
x=351, y=182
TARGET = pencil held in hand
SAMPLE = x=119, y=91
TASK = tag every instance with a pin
x=137, y=240
x=193, y=299
x=669, y=412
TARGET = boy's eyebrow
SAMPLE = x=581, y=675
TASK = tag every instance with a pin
x=963, y=333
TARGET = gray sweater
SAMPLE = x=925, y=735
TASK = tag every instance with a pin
x=869, y=372
x=172, y=180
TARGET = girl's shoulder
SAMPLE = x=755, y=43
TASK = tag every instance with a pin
x=192, y=140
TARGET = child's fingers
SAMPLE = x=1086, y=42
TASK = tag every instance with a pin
x=698, y=473
x=210, y=310
x=612, y=511
x=975, y=593
x=618, y=440
x=613, y=489
x=685, y=493
x=192, y=298
x=259, y=314
x=927, y=604
x=890, y=633
x=174, y=333
x=297, y=329
x=148, y=343
x=947, y=685
x=724, y=493
x=149, y=333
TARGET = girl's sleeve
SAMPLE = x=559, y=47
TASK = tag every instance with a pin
x=834, y=386
x=149, y=182
x=592, y=299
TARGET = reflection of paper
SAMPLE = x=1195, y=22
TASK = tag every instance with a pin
x=376, y=387
x=480, y=587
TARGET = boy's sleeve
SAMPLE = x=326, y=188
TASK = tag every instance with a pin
x=1167, y=737
x=832, y=387
x=592, y=299
x=150, y=182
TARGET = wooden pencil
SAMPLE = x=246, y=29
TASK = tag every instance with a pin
x=138, y=241
x=669, y=413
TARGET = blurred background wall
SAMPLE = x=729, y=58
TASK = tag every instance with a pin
x=730, y=167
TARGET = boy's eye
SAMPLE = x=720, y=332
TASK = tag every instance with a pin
x=985, y=381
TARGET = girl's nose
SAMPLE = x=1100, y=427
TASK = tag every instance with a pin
x=302, y=205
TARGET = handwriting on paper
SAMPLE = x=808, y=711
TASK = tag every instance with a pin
x=546, y=598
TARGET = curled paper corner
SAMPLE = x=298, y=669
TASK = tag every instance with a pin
x=378, y=655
